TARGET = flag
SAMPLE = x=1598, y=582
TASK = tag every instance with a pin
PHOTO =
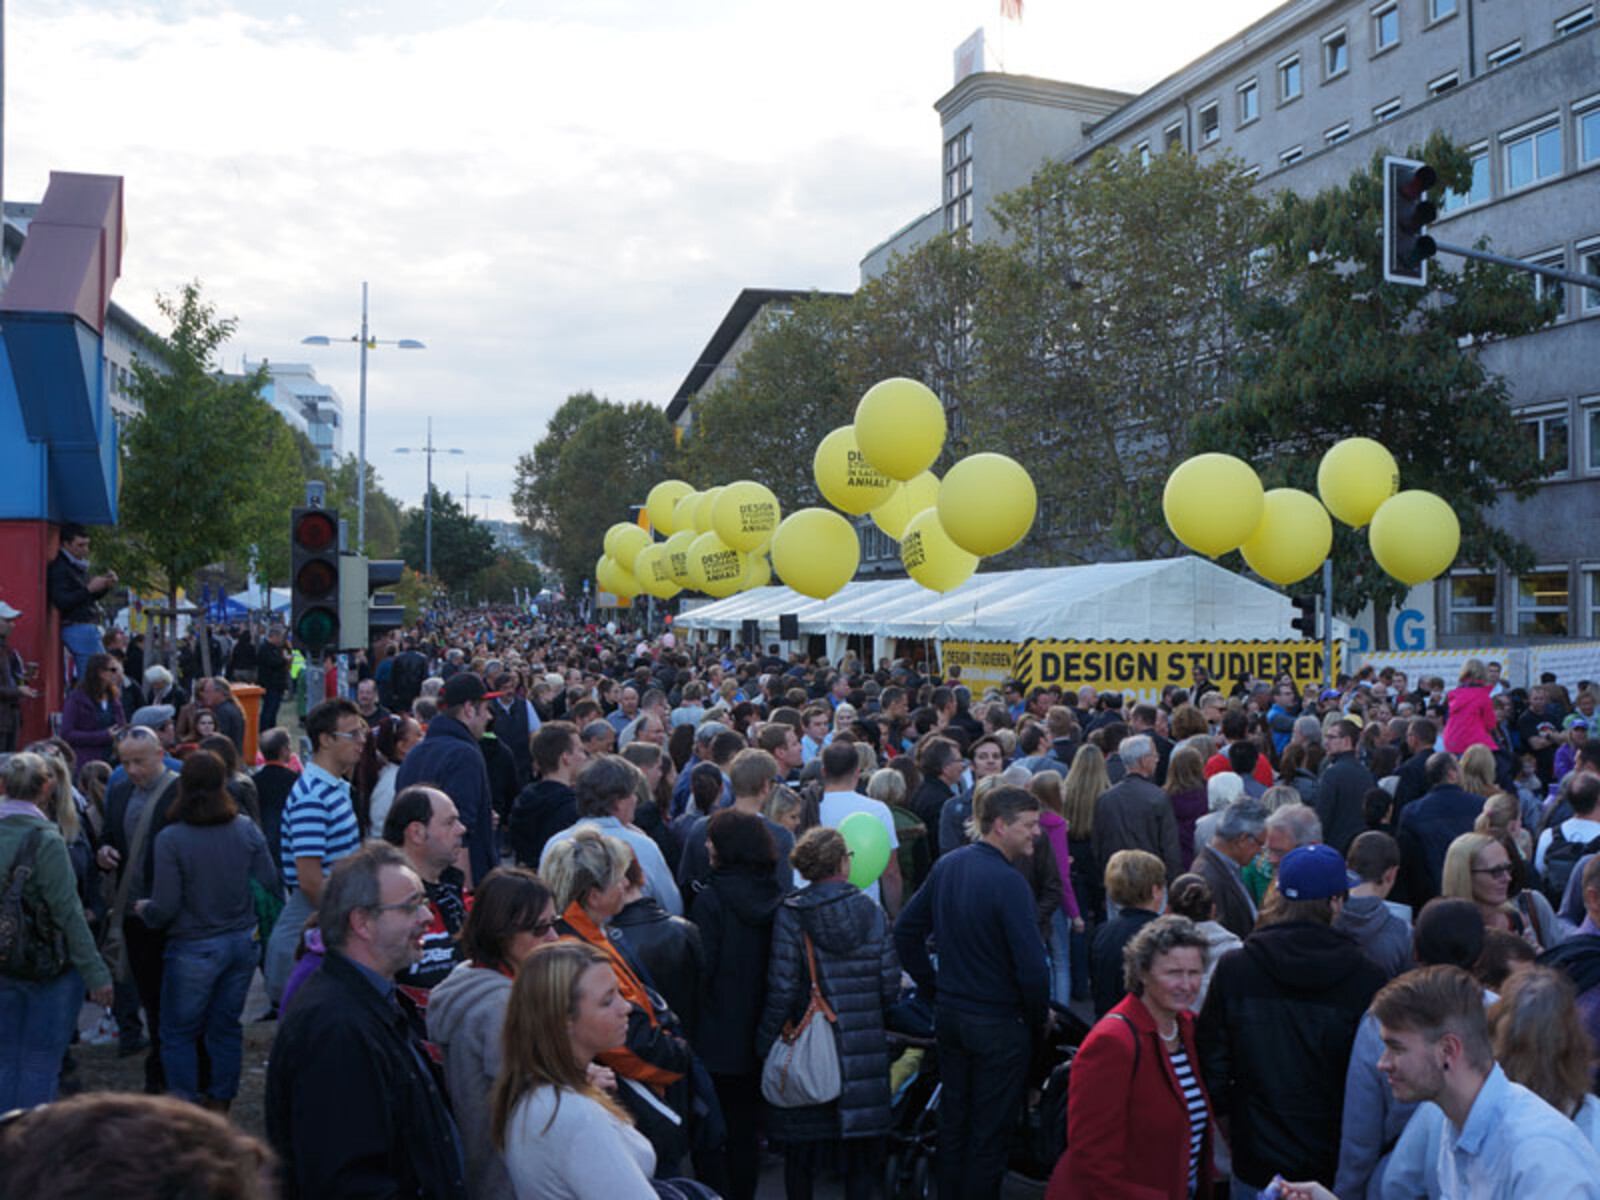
x=1011, y=10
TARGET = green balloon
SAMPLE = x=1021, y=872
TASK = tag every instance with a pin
x=869, y=845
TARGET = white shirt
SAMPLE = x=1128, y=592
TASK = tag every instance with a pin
x=584, y=1153
x=836, y=806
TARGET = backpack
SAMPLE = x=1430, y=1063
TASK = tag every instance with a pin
x=1560, y=860
x=32, y=946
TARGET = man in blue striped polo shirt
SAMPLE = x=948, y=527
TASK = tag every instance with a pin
x=319, y=827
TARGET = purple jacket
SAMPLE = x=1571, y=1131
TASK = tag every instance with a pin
x=1055, y=828
x=1187, y=808
x=85, y=727
x=309, y=962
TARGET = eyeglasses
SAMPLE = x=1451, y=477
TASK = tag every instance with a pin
x=1503, y=871
x=352, y=735
x=415, y=905
x=542, y=929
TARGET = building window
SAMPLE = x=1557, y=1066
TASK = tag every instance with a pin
x=1289, y=80
x=1542, y=602
x=1472, y=602
x=1532, y=154
x=1545, y=288
x=1384, y=111
x=1510, y=52
x=1589, y=134
x=1547, y=433
x=1143, y=151
x=1444, y=83
x=1574, y=21
x=1210, y=124
x=958, y=182
x=1335, y=55
x=1250, y=173
x=1589, y=264
x=1478, y=192
x=1249, y=102
x=1438, y=10
x=1385, y=27
x=1589, y=406
x=1337, y=134
x=1591, y=626
x=1172, y=137
x=1291, y=156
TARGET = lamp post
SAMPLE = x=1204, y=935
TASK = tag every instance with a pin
x=366, y=341
x=430, y=450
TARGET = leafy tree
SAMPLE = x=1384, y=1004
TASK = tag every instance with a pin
x=508, y=575
x=461, y=545
x=532, y=497
x=788, y=394
x=1332, y=351
x=1103, y=328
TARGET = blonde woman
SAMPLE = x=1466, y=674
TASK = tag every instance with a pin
x=1478, y=771
x=1086, y=781
x=1479, y=867
x=1504, y=813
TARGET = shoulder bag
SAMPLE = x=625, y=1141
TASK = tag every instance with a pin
x=802, y=1067
x=32, y=944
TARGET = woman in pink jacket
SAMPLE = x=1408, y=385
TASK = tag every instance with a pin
x=1471, y=721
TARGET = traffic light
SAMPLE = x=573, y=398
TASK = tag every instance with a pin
x=314, y=578
x=1306, y=622
x=1406, y=213
x=361, y=612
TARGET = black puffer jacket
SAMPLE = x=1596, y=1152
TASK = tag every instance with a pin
x=861, y=979
x=1275, y=1037
x=734, y=911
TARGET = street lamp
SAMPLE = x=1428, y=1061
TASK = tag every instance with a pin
x=367, y=342
x=430, y=450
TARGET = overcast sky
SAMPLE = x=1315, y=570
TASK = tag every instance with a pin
x=554, y=195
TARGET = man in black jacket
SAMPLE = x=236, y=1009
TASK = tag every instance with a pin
x=1135, y=814
x=1429, y=825
x=449, y=758
x=1342, y=787
x=272, y=673
x=352, y=1106
x=1278, y=1023
x=1412, y=781
x=76, y=596
x=547, y=805
x=273, y=783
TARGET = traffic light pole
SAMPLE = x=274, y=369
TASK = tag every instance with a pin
x=1327, y=622
x=1501, y=260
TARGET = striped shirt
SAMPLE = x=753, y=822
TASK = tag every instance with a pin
x=319, y=821
x=1194, y=1100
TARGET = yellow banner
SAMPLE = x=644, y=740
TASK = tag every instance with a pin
x=983, y=664
x=1147, y=667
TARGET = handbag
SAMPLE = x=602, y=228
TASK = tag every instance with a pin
x=32, y=945
x=802, y=1065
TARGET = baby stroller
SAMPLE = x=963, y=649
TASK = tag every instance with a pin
x=1041, y=1136
x=914, y=1106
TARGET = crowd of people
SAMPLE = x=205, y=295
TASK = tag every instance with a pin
x=545, y=909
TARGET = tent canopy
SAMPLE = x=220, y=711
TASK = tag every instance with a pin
x=1173, y=599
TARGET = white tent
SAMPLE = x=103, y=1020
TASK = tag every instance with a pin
x=1174, y=599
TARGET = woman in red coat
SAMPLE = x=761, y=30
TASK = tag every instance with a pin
x=1138, y=1117
x=1471, y=721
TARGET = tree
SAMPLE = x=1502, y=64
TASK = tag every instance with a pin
x=1102, y=329
x=532, y=497
x=461, y=545
x=788, y=393
x=207, y=471
x=503, y=579
x=1333, y=351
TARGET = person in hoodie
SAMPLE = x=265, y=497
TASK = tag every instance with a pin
x=860, y=978
x=449, y=759
x=1374, y=862
x=734, y=911
x=1278, y=1023
x=547, y=805
x=512, y=912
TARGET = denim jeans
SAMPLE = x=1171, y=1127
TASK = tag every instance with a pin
x=983, y=1064
x=1080, y=964
x=81, y=641
x=1061, y=958
x=202, y=992
x=35, y=1028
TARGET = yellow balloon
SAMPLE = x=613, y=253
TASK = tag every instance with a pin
x=815, y=552
x=745, y=515
x=610, y=576
x=1355, y=477
x=653, y=570
x=987, y=503
x=1213, y=503
x=931, y=557
x=757, y=572
x=683, y=512
x=900, y=426
x=624, y=541
x=844, y=476
x=909, y=498
x=703, y=507
x=1414, y=536
x=677, y=547
x=714, y=568
x=1292, y=539
x=663, y=498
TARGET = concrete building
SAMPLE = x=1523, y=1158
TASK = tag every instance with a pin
x=1306, y=96
x=311, y=407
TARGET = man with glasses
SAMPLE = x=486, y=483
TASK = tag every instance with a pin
x=352, y=1107
x=319, y=827
x=1343, y=787
x=1241, y=833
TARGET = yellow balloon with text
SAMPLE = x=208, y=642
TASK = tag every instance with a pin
x=987, y=503
x=653, y=570
x=815, y=552
x=900, y=427
x=1414, y=536
x=703, y=507
x=1355, y=477
x=714, y=567
x=683, y=513
x=844, y=476
x=624, y=541
x=1292, y=538
x=1212, y=503
x=757, y=572
x=661, y=501
x=677, y=547
x=746, y=515
x=909, y=498
x=931, y=557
